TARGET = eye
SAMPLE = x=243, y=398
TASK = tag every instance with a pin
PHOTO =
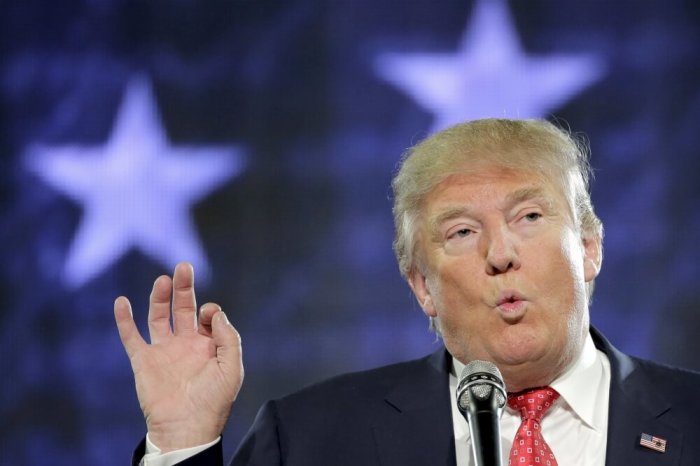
x=533, y=216
x=459, y=233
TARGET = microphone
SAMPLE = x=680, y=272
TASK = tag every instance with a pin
x=481, y=397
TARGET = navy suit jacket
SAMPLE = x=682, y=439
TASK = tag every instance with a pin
x=401, y=415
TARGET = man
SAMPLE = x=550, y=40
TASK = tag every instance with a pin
x=497, y=238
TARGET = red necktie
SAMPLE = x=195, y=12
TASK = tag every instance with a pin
x=529, y=448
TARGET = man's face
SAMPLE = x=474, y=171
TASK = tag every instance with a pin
x=503, y=271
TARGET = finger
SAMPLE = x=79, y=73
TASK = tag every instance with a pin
x=206, y=314
x=128, y=333
x=159, y=310
x=184, y=303
x=228, y=351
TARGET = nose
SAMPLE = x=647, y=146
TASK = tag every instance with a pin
x=501, y=251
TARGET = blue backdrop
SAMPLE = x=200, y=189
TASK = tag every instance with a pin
x=257, y=139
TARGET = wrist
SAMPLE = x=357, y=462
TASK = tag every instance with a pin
x=155, y=457
x=183, y=435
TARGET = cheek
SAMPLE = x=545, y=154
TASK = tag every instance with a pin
x=454, y=284
x=556, y=273
x=458, y=309
x=573, y=256
x=568, y=275
x=566, y=261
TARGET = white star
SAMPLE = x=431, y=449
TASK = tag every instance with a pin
x=490, y=75
x=135, y=191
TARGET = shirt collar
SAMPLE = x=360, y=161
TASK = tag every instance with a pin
x=574, y=385
x=578, y=385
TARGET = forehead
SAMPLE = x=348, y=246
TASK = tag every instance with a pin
x=497, y=186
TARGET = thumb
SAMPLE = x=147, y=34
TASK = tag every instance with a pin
x=228, y=351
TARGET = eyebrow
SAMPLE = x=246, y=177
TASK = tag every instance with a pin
x=449, y=214
x=526, y=194
x=512, y=199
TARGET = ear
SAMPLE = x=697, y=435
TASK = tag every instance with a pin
x=592, y=256
x=421, y=290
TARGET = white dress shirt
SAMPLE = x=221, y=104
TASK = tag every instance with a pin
x=575, y=427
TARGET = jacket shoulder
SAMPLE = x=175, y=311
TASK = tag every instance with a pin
x=672, y=381
x=334, y=421
x=371, y=383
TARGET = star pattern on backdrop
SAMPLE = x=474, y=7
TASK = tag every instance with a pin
x=490, y=75
x=136, y=190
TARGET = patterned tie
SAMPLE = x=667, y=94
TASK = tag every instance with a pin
x=529, y=448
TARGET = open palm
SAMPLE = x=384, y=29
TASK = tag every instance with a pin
x=189, y=375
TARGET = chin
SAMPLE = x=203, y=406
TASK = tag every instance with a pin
x=528, y=367
x=519, y=344
x=520, y=360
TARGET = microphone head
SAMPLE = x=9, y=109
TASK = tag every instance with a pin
x=480, y=379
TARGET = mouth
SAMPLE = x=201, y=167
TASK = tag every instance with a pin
x=511, y=304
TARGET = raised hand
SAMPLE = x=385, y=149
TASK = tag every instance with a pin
x=188, y=377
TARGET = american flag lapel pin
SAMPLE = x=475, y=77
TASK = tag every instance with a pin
x=654, y=443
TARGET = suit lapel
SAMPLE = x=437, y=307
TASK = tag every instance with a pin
x=415, y=424
x=635, y=409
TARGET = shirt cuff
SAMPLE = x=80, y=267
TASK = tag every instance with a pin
x=154, y=457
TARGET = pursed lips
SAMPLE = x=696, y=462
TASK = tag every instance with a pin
x=511, y=302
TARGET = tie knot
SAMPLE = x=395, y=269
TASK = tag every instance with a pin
x=533, y=403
